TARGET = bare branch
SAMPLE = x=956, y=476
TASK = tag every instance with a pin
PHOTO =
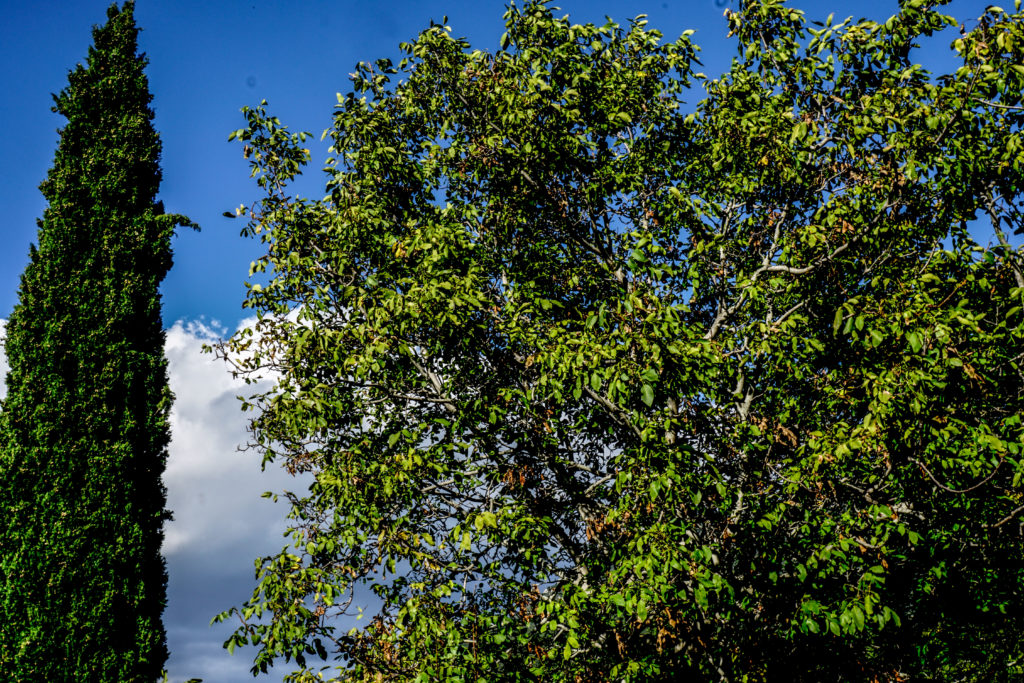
x=950, y=489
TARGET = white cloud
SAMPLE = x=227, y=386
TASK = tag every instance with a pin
x=221, y=524
x=210, y=483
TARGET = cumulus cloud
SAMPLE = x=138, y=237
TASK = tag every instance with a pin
x=207, y=477
x=221, y=523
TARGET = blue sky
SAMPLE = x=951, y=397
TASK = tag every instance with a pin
x=207, y=60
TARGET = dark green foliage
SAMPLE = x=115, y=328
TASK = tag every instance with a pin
x=598, y=388
x=84, y=427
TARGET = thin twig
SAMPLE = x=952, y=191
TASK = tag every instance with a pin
x=952, y=490
x=1007, y=518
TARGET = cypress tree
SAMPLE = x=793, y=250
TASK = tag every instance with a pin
x=84, y=426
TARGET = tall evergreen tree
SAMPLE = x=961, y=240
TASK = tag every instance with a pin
x=84, y=427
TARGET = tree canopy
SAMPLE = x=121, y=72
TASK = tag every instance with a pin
x=597, y=382
x=84, y=425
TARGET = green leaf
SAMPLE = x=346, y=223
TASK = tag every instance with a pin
x=837, y=321
x=858, y=617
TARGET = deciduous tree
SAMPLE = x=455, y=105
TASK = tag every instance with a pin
x=597, y=384
x=83, y=431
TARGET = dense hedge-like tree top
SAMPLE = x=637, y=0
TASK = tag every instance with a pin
x=83, y=432
x=600, y=385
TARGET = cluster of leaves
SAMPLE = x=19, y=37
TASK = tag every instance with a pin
x=594, y=388
x=84, y=426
